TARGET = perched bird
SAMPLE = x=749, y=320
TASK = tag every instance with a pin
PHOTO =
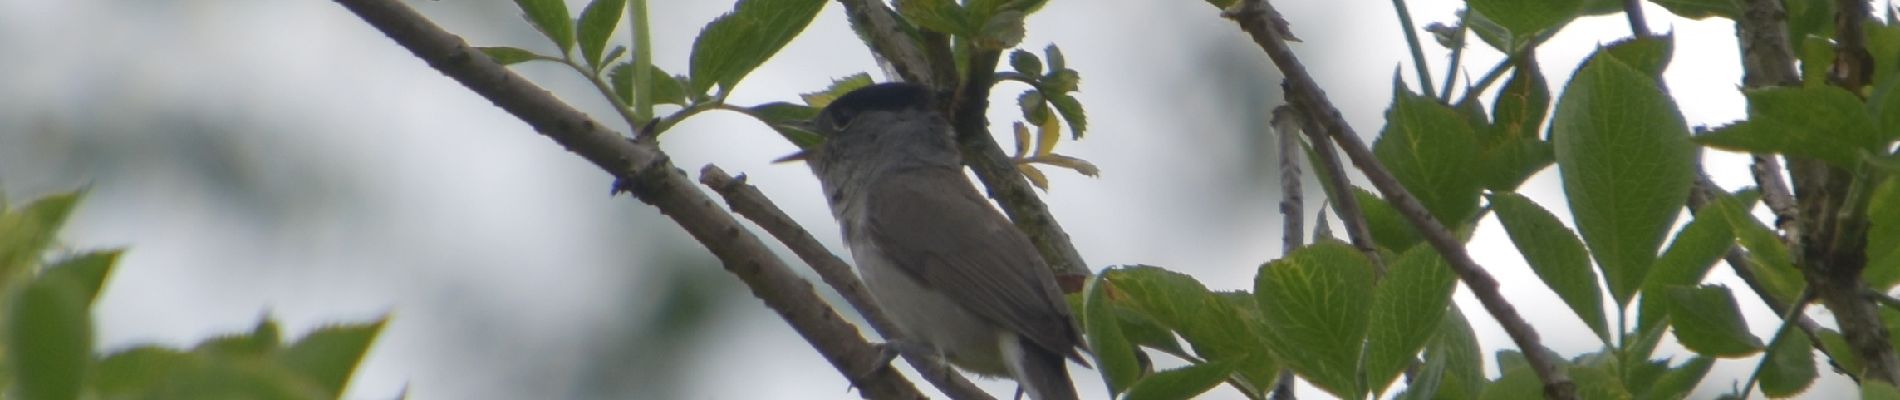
x=954, y=275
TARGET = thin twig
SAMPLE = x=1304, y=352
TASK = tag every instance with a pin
x=1638, y=26
x=1774, y=193
x=653, y=179
x=1418, y=50
x=749, y=202
x=1286, y=125
x=1339, y=190
x=1312, y=101
x=1787, y=320
x=879, y=28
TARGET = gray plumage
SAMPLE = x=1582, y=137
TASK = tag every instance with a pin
x=949, y=269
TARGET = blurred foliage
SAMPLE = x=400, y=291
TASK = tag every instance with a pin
x=47, y=295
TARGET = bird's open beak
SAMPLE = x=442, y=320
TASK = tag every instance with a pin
x=798, y=156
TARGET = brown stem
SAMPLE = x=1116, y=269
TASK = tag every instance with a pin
x=1005, y=183
x=654, y=180
x=1339, y=190
x=1252, y=16
x=749, y=202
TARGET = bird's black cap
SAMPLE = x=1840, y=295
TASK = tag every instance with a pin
x=889, y=96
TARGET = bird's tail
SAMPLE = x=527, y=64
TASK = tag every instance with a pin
x=1043, y=374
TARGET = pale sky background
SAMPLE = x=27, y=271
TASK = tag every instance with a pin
x=284, y=158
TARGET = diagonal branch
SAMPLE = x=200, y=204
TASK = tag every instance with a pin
x=746, y=200
x=1251, y=15
x=654, y=180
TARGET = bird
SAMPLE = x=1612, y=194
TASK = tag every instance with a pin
x=955, y=276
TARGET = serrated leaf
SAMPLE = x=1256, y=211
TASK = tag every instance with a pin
x=86, y=272
x=1180, y=383
x=508, y=55
x=1079, y=165
x=1406, y=308
x=1035, y=109
x=732, y=45
x=1790, y=368
x=1708, y=322
x=1430, y=149
x=1314, y=302
x=1035, y=176
x=1649, y=54
x=1001, y=31
x=1071, y=111
x=1457, y=346
x=1677, y=383
x=1555, y=254
x=1699, y=9
x=49, y=338
x=1688, y=258
x=1883, y=236
x=838, y=88
x=1142, y=330
x=597, y=24
x=138, y=370
x=1626, y=166
x=1114, y=355
x=329, y=355
x=612, y=56
x=1821, y=122
x=551, y=18
x=1025, y=63
x=1053, y=56
x=1062, y=81
x=938, y=15
x=1525, y=18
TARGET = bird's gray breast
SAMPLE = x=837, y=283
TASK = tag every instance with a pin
x=924, y=313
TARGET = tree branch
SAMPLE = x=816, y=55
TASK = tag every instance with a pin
x=1018, y=200
x=753, y=205
x=654, y=180
x=1252, y=15
x=878, y=26
x=1286, y=127
x=1339, y=190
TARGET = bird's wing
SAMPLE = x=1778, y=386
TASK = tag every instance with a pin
x=954, y=242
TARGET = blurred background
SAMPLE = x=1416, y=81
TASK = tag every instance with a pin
x=282, y=158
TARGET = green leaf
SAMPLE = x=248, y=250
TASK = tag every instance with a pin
x=1525, y=18
x=1841, y=354
x=1884, y=105
x=1883, y=43
x=1626, y=167
x=1555, y=255
x=1677, y=383
x=1315, y=304
x=1429, y=149
x=1883, y=236
x=1213, y=327
x=1406, y=308
x=1821, y=122
x=1768, y=257
x=1598, y=384
x=1708, y=323
x=49, y=337
x=86, y=272
x=330, y=354
x=1649, y=54
x=1001, y=31
x=597, y=24
x=1817, y=56
x=1699, y=9
x=1457, y=345
x=1071, y=111
x=1389, y=229
x=1424, y=385
x=1025, y=63
x=139, y=370
x=666, y=88
x=1877, y=390
x=1180, y=383
x=1491, y=33
x=25, y=232
x=737, y=42
x=1512, y=150
x=838, y=88
x=1688, y=258
x=1790, y=368
x=508, y=55
x=789, y=120
x=1142, y=330
x=550, y=17
x=938, y=15
x=1514, y=384
x=1114, y=355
